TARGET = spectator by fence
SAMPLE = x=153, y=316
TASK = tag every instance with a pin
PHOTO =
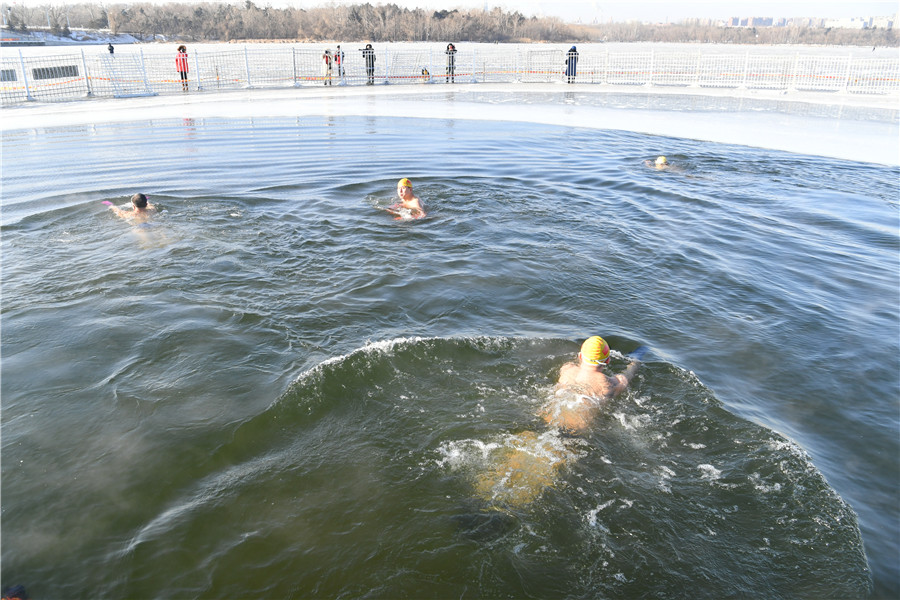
x=139, y=73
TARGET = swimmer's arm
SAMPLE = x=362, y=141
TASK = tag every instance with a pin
x=622, y=380
x=119, y=212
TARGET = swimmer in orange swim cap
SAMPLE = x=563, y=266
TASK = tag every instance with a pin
x=409, y=205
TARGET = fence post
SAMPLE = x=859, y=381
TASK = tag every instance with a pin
x=294, y=66
x=847, y=78
x=247, y=65
x=746, y=68
x=144, y=73
x=25, y=76
x=650, y=79
x=197, y=70
x=87, y=78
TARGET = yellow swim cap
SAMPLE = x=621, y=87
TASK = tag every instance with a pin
x=662, y=161
x=404, y=183
x=595, y=351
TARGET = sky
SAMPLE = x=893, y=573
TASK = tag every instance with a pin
x=589, y=11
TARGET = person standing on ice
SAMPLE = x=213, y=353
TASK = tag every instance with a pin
x=369, y=56
x=327, y=66
x=571, y=64
x=451, y=63
x=339, y=62
x=181, y=65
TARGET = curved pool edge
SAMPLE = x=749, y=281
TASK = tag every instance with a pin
x=637, y=110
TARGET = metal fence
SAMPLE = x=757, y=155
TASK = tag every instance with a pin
x=139, y=73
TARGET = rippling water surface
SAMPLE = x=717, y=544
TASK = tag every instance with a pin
x=276, y=389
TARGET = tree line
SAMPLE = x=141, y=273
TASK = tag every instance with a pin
x=215, y=21
x=697, y=31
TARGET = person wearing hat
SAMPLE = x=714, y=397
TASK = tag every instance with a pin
x=661, y=163
x=571, y=64
x=584, y=385
x=409, y=206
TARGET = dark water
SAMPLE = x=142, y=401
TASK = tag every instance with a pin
x=276, y=390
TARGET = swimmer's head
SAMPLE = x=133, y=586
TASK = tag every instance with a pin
x=595, y=351
x=139, y=201
x=404, y=183
x=661, y=161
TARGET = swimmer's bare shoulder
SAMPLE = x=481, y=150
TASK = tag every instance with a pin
x=567, y=374
x=594, y=384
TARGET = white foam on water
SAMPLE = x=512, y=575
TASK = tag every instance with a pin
x=709, y=472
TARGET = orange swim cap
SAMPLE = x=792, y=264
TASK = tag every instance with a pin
x=404, y=183
x=595, y=351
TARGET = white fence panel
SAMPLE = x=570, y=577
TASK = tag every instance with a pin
x=407, y=67
x=543, y=66
x=675, y=69
x=820, y=73
x=768, y=72
x=13, y=87
x=873, y=76
x=73, y=76
x=721, y=71
x=496, y=67
x=53, y=78
x=629, y=68
x=271, y=68
x=122, y=76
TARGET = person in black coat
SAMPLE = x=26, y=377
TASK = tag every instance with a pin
x=571, y=63
x=451, y=63
x=369, y=57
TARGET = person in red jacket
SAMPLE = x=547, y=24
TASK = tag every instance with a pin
x=181, y=65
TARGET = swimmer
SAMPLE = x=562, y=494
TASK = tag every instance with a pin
x=527, y=463
x=409, y=206
x=583, y=386
x=141, y=209
x=660, y=163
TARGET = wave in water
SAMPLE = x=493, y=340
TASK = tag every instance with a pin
x=366, y=477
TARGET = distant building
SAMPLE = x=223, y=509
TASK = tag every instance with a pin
x=846, y=23
x=849, y=23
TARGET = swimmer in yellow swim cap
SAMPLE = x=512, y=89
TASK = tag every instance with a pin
x=583, y=385
x=409, y=204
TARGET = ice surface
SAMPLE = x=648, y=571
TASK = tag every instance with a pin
x=762, y=123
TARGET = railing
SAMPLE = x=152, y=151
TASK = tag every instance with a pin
x=77, y=75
